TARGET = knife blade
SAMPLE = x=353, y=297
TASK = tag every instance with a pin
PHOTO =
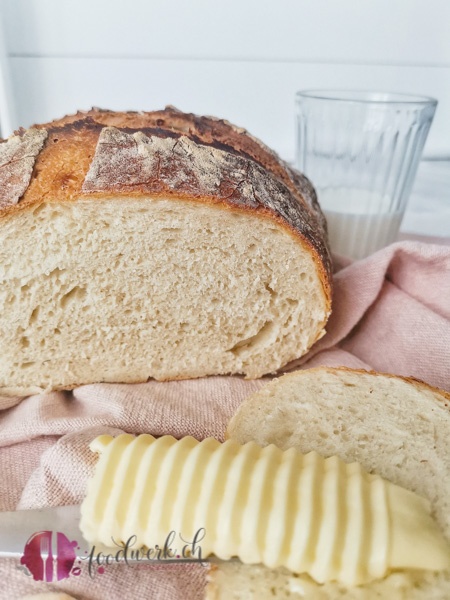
x=17, y=527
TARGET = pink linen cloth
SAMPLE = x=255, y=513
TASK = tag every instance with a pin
x=391, y=312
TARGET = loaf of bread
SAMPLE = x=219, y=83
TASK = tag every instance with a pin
x=395, y=427
x=153, y=245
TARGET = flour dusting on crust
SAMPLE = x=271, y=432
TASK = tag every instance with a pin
x=17, y=157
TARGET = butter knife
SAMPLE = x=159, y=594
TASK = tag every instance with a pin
x=18, y=527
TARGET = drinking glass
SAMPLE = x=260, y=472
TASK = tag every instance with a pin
x=361, y=151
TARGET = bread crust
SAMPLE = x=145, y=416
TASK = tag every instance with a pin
x=61, y=168
x=210, y=131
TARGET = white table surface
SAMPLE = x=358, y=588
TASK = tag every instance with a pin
x=428, y=211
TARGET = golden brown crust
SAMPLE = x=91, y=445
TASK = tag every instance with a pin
x=64, y=162
x=208, y=131
x=61, y=166
x=212, y=131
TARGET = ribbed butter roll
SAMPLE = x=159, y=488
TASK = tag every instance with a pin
x=310, y=514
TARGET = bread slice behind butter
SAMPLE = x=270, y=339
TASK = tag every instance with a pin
x=396, y=427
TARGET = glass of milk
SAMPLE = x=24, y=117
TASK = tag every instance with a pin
x=361, y=151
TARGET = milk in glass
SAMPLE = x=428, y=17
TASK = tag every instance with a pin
x=359, y=221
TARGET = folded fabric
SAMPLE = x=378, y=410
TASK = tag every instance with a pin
x=391, y=313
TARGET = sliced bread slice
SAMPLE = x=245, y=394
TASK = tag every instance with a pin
x=396, y=427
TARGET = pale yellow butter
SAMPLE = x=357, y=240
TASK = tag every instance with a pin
x=312, y=515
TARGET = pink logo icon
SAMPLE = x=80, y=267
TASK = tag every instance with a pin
x=50, y=556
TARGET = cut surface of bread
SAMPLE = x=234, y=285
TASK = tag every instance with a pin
x=154, y=252
x=234, y=581
x=220, y=294
x=396, y=427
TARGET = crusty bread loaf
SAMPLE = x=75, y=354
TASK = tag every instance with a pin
x=163, y=245
x=396, y=427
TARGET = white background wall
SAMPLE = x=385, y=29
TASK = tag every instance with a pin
x=239, y=59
